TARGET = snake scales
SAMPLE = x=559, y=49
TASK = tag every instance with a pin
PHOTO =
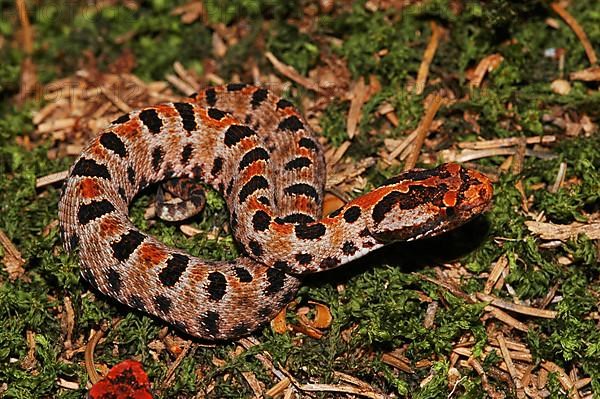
x=259, y=153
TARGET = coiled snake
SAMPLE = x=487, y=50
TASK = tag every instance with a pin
x=260, y=154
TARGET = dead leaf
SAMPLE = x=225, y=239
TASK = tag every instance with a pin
x=590, y=74
x=13, y=262
x=486, y=65
x=189, y=12
x=563, y=232
x=357, y=100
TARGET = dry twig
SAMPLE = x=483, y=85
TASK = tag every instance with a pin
x=403, y=145
x=506, y=142
x=436, y=33
x=495, y=274
x=423, y=130
x=278, y=388
x=590, y=74
x=358, y=98
x=560, y=177
x=253, y=383
x=68, y=322
x=361, y=93
x=396, y=361
x=28, y=73
x=290, y=73
x=448, y=286
x=510, y=365
x=180, y=84
x=29, y=362
x=506, y=318
x=51, y=179
x=115, y=99
x=563, y=232
x=13, y=261
x=467, y=155
x=430, y=314
x=519, y=157
x=563, y=378
x=523, y=309
x=486, y=65
x=170, y=375
x=577, y=29
x=358, y=387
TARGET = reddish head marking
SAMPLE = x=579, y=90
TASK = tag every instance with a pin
x=453, y=168
x=450, y=198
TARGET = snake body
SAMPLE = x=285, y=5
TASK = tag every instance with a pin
x=259, y=153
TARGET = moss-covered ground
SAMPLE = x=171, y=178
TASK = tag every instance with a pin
x=379, y=304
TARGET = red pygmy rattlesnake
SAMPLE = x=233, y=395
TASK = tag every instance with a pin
x=260, y=154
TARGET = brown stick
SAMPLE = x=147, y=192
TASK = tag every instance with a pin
x=497, y=270
x=577, y=29
x=170, y=375
x=89, y=355
x=563, y=378
x=27, y=33
x=527, y=310
x=359, y=97
x=510, y=365
x=51, y=179
x=560, y=178
x=13, y=261
x=423, y=129
x=562, y=232
x=403, y=145
x=28, y=70
x=434, y=40
x=506, y=318
x=507, y=142
x=291, y=73
x=486, y=65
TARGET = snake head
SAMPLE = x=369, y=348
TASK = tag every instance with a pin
x=425, y=203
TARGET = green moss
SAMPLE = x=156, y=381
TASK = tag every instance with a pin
x=436, y=387
x=229, y=10
x=364, y=34
x=333, y=123
x=239, y=54
x=293, y=48
x=583, y=163
x=155, y=36
x=10, y=71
